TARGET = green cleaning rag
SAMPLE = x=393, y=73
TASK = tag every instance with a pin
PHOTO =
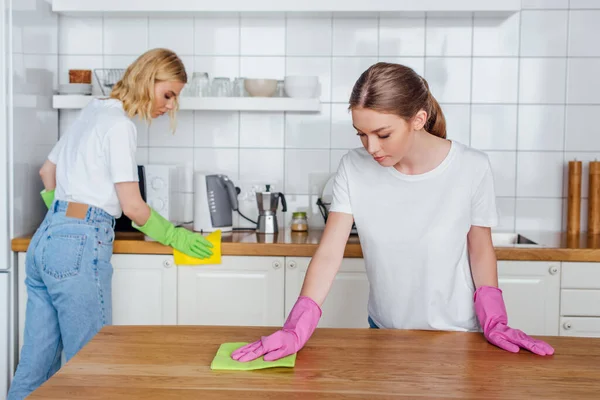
x=223, y=360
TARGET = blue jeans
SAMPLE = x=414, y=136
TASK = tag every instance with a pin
x=69, y=291
x=372, y=324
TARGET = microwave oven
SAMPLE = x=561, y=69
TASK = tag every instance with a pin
x=159, y=187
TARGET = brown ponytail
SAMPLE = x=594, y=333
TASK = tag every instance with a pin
x=397, y=89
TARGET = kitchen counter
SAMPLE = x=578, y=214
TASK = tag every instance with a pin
x=551, y=246
x=168, y=362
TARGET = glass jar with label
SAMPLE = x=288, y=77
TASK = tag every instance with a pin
x=299, y=222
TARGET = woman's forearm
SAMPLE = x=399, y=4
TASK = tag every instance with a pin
x=482, y=257
x=327, y=259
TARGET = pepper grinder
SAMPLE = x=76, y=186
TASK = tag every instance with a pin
x=594, y=199
x=574, y=199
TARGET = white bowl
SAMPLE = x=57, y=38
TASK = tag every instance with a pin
x=75, y=88
x=301, y=86
x=260, y=87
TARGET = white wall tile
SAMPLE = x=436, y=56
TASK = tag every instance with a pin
x=506, y=214
x=458, y=122
x=401, y=37
x=39, y=73
x=125, y=36
x=217, y=36
x=496, y=36
x=262, y=165
x=308, y=130
x=448, y=36
x=584, y=4
x=584, y=32
x=262, y=36
x=416, y=63
x=217, y=161
x=308, y=37
x=504, y=171
x=541, y=127
x=449, y=79
x=544, y=33
x=141, y=155
x=216, y=128
x=335, y=158
x=345, y=72
x=300, y=165
x=584, y=80
x=495, y=80
x=262, y=67
x=539, y=214
x=142, y=131
x=218, y=66
x=180, y=156
x=79, y=36
x=355, y=36
x=545, y=4
x=585, y=158
x=40, y=33
x=583, y=131
x=161, y=135
x=312, y=66
x=539, y=174
x=343, y=134
x=542, y=80
x=261, y=129
x=176, y=34
x=65, y=63
x=494, y=127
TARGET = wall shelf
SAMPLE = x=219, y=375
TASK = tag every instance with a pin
x=212, y=103
x=123, y=8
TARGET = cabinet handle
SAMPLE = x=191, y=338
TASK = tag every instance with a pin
x=567, y=326
x=167, y=264
x=553, y=270
x=276, y=265
x=292, y=264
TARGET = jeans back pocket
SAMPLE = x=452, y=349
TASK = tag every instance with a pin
x=63, y=253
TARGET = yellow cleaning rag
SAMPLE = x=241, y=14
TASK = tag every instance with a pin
x=184, y=259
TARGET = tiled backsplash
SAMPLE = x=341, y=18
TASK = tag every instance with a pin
x=526, y=89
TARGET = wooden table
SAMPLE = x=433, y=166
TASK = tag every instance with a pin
x=174, y=363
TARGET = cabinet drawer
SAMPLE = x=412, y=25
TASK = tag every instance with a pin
x=580, y=275
x=583, y=303
x=583, y=327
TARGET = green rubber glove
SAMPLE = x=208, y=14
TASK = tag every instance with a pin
x=164, y=232
x=48, y=197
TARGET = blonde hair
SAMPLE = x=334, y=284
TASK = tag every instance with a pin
x=136, y=88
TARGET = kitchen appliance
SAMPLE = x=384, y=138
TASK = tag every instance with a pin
x=324, y=202
x=215, y=199
x=267, y=203
x=159, y=187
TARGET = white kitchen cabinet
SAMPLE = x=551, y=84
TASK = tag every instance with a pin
x=242, y=291
x=144, y=289
x=532, y=295
x=580, y=299
x=346, y=303
x=582, y=327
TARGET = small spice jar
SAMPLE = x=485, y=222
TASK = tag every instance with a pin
x=299, y=222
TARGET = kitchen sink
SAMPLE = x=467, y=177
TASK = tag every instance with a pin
x=504, y=239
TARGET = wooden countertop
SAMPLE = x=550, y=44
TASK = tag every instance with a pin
x=553, y=246
x=173, y=362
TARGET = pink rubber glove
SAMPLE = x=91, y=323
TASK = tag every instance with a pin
x=296, y=331
x=491, y=312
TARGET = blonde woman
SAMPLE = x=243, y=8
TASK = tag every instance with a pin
x=90, y=178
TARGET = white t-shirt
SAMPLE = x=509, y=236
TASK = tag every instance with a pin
x=413, y=233
x=96, y=152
